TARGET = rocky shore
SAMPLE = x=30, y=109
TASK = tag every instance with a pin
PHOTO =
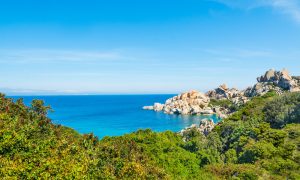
x=205, y=126
x=192, y=102
x=195, y=102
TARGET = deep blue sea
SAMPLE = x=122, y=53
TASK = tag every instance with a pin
x=113, y=115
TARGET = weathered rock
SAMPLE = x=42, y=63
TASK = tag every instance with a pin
x=240, y=100
x=191, y=102
x=194, y=102
x=224, y=87
x=269, y=76
x=281, y=79
x=205, y=127
x=223, y=92
x=296, y=78
x=221, y=112
x=158, y=107
x=184, y=111
x=277, y=81
x=195, y=110
x=207, y=110
x=261, y=88
x=148, y=107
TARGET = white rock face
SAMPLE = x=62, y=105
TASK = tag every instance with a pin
x=192, y=102
x=155, y=107
x=158, y=107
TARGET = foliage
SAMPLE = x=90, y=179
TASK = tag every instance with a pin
x=225, y=103
x=283, y=110
x=261, y=140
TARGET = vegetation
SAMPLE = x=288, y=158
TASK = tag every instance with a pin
x=225, y=103
x=260, y=141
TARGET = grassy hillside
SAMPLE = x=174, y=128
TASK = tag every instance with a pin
x=261, y=140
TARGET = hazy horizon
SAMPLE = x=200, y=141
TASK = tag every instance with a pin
x=144, y=47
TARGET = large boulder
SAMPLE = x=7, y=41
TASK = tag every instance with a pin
x=223, y=92
x=277, y=81
x=269, y=76
x=155, y=107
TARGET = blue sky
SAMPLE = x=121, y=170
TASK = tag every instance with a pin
x=149, y=46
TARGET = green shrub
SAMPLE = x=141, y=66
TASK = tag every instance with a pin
x=283, y=110
x=260, y=140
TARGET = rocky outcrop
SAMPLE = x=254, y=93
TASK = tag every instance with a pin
x=262, y=88
x=221, y=112
x=223, y=92
x=158, y=107
x=195, y=102
x=192, y=102
x=155, y=107
x=278, y=81
x=148, y=108
x=297, y=81
x=205, y=127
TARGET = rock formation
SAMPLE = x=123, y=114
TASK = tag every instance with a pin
x=221, y=112
x=148, y=108
x=194, y=102
x=277, y=81
x=223, y=92
x=297, y=81
x=205, y=126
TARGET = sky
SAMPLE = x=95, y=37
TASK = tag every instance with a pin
x=143, y=47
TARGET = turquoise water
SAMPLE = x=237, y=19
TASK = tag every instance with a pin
x=113, y=115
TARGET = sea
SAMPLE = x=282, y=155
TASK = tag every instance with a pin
x=113, y=115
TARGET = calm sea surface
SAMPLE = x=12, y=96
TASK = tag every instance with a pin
x=113, y=115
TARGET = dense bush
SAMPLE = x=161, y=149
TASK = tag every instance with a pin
x=283, y=110
x=225, y=103
x=260, y=140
